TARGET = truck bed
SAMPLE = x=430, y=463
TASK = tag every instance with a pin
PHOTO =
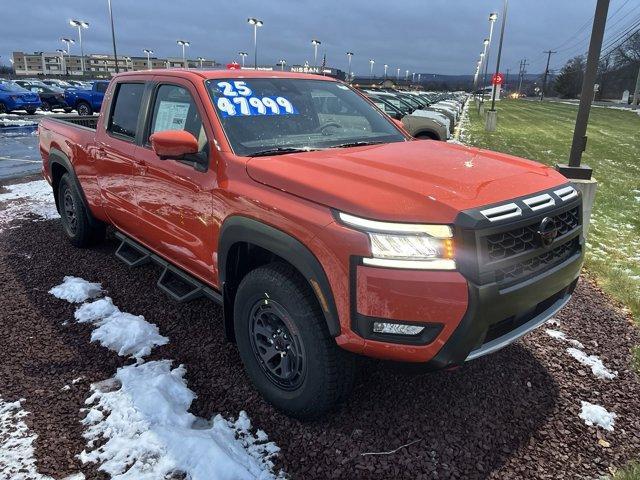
x=82, y=121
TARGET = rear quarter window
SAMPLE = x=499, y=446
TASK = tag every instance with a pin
x=126, y=110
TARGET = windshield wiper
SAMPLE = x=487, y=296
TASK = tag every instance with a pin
x=281, y=151
x=356, y=144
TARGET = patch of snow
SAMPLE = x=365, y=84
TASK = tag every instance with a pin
x=126, y=334
x=24, y=200
x=17, y=455
x=592, y=361
x=595, y=415
x=76, y=290
x=558, y=335
x=146, y=431
x=140, y=417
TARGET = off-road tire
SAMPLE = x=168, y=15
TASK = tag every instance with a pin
x=329, y=371
x=76, y=224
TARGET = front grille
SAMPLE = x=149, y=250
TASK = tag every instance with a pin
x=506, y=244
x=527, y=268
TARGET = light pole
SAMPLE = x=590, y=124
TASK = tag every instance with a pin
x=315, y=44
x=371, y=62
x=398, y=74
x=256, y=23
x=63, y=65
x=349, y=55
x=413, y=77
x=406, y=75
x=201, y=59
x=492, y=20
x=243, y=55
x=149, y=53
x=283, y=62
x=80, y=24
x=127, y=61
x=113, y=35
x=492, y=114
x=68, y=42
x=419, y=75
x=184, y=44
x=385, y=70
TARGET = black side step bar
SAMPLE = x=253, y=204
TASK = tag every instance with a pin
x=173, y=281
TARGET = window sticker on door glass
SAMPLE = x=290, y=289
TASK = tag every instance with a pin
x=238, y=100
x=171, y=116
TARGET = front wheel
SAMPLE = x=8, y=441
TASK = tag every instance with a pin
x=74, y=215
x=31, y=111
x=84, y=109
x=45, y=107
x=285, y=345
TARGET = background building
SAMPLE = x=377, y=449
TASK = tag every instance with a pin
x=96, y=65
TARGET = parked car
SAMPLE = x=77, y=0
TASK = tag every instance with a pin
x=421, y=127
x=86, y=101
x=50, y=97
x=54, y=82
x=14, y=97
x=323, y=229
x=79, y=83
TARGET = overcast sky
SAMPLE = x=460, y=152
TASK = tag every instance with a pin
x=434, y=36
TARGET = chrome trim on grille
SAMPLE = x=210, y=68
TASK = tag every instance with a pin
x=502, y=212
x=566, y=193
x=539, y=202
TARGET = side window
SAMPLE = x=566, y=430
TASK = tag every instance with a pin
x=124, y=114
x=101, y=87
x=174, y=109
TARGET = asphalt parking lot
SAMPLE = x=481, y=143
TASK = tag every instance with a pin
x=19, y=155
x=514, y=414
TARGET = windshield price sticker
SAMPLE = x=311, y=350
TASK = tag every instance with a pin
x=238, y=100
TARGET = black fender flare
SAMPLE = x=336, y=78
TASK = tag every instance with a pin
x=243, y=229
x=59, y=157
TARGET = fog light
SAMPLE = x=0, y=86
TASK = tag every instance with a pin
x=396, y=328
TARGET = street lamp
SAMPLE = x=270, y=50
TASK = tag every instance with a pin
x=398, y=74
x=349, y=55
x=242, y=56
x=80, y=24
x=406, y=75
x=184, y=44
x=371, y=62
x=283, y=62
x=315, y=44
x=256, y=23
x=201, y=59
x=487, y=49
x=113, y=36
x=127, y=60
x=63, y=66
x=385, y=70
x=68, y=42
x=149, y=53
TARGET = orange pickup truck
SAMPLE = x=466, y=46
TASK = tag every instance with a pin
x=323, y=229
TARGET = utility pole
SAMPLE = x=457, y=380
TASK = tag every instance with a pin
x=546, y=73
x=523, y=71
x=574, y=169
x=506, y=79
x=636, y=92
x=113, y=36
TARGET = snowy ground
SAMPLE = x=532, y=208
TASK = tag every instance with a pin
x=21, y=201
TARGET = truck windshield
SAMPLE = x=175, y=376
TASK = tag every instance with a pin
x=285, y=115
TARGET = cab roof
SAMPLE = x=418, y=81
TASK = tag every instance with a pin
x=207, y=74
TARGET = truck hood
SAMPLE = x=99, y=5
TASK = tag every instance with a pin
x=413, y=181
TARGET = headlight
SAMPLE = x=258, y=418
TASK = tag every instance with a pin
x=406, y=245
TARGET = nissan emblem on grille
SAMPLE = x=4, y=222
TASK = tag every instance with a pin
x=547, y=232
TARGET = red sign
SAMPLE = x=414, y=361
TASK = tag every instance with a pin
x=497, y=79
x=233, y=66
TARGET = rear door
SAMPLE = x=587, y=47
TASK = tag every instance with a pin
x=174, y=196
x=114, y=154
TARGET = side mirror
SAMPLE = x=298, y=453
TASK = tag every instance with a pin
x=173, y=144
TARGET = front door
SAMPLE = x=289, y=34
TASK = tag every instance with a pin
x=174, y=196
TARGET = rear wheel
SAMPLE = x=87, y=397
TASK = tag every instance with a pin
x=84, y=109
x=3, y=108
x=74, y=215
x=285, y=345
x=427, y=136
x=31, y=111
x=45, y=107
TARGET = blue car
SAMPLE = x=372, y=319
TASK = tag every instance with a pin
x=14, y=97
x=86, y=100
